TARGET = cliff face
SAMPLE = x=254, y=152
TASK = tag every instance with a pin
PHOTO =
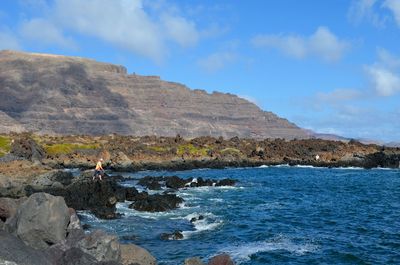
x=70, y=95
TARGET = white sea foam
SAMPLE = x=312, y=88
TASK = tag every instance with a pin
x=243, y=253
x=88, y=216
x=263, y=166
x=208, y=223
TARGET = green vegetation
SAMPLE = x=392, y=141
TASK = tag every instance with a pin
x=159, y=149
x=5, y=145
x=192, y=150
x=67, y=148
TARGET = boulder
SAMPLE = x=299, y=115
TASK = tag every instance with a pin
x=222, y=259
x=194, y=261
x=175, y=182
x=14, y=251
x=157, y=203
x=133, y=254
x=100, y=245
x=42, y=220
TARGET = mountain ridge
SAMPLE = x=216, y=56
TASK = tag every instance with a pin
x=57, y=94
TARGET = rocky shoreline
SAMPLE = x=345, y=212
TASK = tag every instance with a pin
x=39, y=225
x=38, y=197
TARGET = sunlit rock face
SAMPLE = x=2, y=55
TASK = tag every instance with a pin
x=69, y=95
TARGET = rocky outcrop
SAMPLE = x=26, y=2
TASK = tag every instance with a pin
x=29, y=240
x=42, y=220
x=69, y=95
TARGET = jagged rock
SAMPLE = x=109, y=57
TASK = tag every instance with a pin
x=50, y=178
x=42, y=220
x=175, y=182
x=194, y=261
x=152, y=183
x=13, y=249
x=133, y=254
x=27, y=148
x=194, y=219
x=157, y=203
x=176, y=235
x=222, y=259
x=226, y=182
x=102, y=246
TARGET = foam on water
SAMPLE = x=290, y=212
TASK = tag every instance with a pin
x=243, y=253
x=208, y=223
x=88, y=216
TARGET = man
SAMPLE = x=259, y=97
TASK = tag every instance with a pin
x=99, y=169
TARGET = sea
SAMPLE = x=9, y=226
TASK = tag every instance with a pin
x=273, y=215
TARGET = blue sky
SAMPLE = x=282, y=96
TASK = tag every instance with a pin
x=330, y=66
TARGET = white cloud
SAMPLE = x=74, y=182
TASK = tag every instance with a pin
x=394, y=6
x=123, y=23
x=217, y=61
x=129, y=24
x=43, y=31
x=180, y=30
x=361, y=10
x=384, y=74
x=385, y=82
x=322, y=44
x=8, y=41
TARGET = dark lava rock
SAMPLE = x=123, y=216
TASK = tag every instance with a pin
x=26, y=147
x=157, y=203
x=226, y=182
x=176, y=235
x=99, y=197
x=175, y=182
x=194, y=219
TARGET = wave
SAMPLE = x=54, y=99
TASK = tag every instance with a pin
x=243, y=253
x=87, y=216
x=202, y=222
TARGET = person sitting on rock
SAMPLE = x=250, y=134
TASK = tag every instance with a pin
x=98, y=172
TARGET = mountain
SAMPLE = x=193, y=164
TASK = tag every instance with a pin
x=57, y=94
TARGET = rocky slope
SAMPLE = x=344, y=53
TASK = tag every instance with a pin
x=70, y=95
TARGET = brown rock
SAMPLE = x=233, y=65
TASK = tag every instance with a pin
x=133, y=254
x=222, y=259
x=193, y=261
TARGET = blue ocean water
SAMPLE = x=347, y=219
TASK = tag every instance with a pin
x=275, y=215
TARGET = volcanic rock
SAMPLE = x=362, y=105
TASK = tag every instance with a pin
x=42, y=220
x=101, y=246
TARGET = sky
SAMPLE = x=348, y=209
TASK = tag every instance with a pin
x=330, y=66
